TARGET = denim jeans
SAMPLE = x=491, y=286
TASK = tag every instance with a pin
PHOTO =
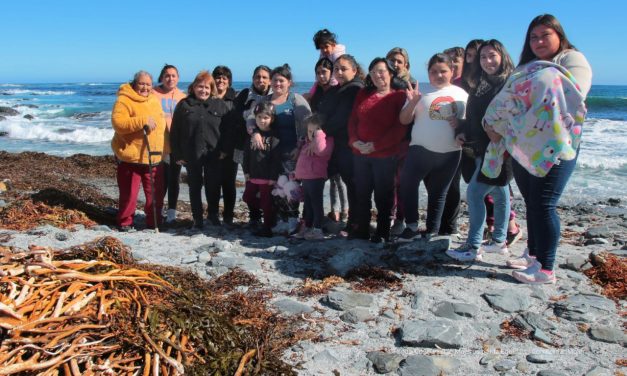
x=475, y=194
x=437, y=170
x=541, y=196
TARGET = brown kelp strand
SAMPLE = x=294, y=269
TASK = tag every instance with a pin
x=90, y=310
x=25, y=214
x=610, y=272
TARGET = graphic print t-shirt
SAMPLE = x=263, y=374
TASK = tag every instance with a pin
x=431, y=128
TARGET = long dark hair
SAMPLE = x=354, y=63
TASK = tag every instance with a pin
x=550, y=21
x=350, y=59
x=467, y=68
x=369, y=84
x=164, y=69
x=506, y=68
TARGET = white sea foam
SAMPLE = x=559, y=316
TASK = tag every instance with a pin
x=36, y=92
x=45, y=131
x=10, y=85
x=603, y=145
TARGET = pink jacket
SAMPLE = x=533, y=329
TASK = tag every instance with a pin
x=315, y=166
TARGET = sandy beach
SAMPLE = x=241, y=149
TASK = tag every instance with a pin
x=399, y=309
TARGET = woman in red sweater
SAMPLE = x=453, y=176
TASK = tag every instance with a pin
x=375, y=132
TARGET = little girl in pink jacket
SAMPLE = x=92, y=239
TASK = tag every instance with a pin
x=311, y=168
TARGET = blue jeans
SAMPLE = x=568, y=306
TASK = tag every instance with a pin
x=437, y=170
x=541, y=196
x=475, y=194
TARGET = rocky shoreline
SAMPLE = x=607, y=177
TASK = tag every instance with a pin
x=404, y=309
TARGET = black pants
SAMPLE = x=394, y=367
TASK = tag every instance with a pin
x=437, y=170
x=313, y=210
x=172, y=183
x=218, y=176
x=374, y=174
x=342, y=162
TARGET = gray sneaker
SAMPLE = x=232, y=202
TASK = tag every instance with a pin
x=397, y=228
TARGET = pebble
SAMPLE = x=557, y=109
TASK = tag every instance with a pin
x=505, y=365
x=292, y=307
x=607, y=334
x=540, y=358
x=598, y=371
x=345, y=300
x=357, y=314
x=584, y=307
x=455, y=311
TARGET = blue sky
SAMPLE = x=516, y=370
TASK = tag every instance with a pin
x=107, y=41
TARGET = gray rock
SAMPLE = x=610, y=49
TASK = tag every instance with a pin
x=229, y=262
x=343, y=301
x=550, y=372
x=454, y=311
x=346, y=260
x=384, y=362
x=28, y=117
x=596, y=241
x=325, y=359
x=103, y=228
x=598, y=371
x=522, y=367
x=61, y=236
x=575, y=262
x=598, y=232
x=538, y=293
x=531, y=321
x=43, y=230
x=418, y=299
x=539, y=335
x=292, y=307
x=485, y=360
x=190, y=259
x=619, y=252
x=446, y=364
x=443, y=333
x=8, y=111
x=280, y=248
x=505, y=364
x=223, y=245
x=584, y=307
x=575, y=276
x=357, y=314
x=607, y=334
x=389, y=314
x=2, y=203
x=540, y=358
x=205, y=248
x=507, y=300
x=418, y=365
x=434, y=245
x=204, y=257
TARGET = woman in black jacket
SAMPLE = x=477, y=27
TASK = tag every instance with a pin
x=336, y=110
x=199, y=139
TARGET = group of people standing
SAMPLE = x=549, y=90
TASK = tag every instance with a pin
x=376, y=132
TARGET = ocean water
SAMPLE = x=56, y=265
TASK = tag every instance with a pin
x=75, y=118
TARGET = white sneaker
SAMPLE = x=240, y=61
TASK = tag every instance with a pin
x=522, y=262
x=495, y=247
x=397, y=228
x=170, y=216
x=534, y=276
x=465, y=252
x=314, y=234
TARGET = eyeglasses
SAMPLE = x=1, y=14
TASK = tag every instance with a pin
x=379, y=72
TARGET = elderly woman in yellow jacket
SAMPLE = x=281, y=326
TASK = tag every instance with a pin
x=137, y=117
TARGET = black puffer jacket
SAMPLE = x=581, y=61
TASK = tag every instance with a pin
x=336, y=107
x=199, y=127
x=477, y=139
x=264, y=163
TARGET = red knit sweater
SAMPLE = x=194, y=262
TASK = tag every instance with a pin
x=376, y=119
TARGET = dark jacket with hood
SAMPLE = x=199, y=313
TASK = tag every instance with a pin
x=476, y=138
x=335, y=108
x=200, y=128
x=264, y=163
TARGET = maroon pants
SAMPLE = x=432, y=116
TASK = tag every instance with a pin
x=259, y=197
x=129, y=176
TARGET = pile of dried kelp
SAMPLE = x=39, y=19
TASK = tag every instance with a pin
x=90, y=310
x=609, y=271
x=25, y=214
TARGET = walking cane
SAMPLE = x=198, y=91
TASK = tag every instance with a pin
x=152, y=182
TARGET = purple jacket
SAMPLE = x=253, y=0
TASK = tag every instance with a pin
x=315, y=166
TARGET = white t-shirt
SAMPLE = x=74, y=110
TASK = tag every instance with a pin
x=431, y=130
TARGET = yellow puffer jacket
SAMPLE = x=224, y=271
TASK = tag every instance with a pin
x=130, y=114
